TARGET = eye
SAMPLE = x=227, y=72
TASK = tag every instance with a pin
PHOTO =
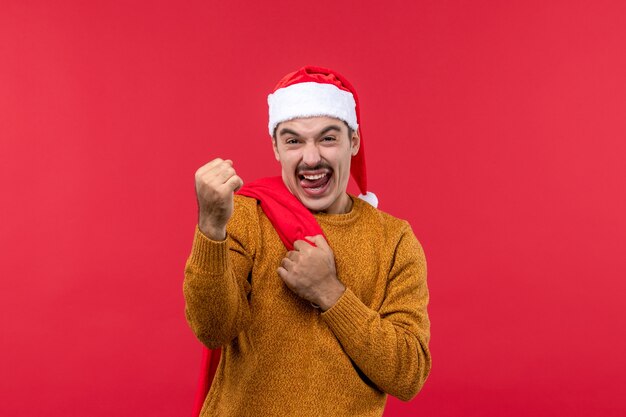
x=328, y=138
x=291, y=141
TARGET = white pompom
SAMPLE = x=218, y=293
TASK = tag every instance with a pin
x=369, y=197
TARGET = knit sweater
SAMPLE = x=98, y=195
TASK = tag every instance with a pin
x=283, y=357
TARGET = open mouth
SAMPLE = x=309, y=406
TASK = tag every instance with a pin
x=315, y=182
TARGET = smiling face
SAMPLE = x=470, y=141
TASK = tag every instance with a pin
x=315, y=155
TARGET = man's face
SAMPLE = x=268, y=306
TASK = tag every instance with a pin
x=315, y=155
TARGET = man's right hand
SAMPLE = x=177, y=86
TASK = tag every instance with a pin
x=216, y=183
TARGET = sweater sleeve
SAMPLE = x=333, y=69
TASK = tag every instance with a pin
x=216, y=284
x=390, y=346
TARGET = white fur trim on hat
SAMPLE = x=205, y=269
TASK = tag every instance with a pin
x=308, y=100
x=369, y=197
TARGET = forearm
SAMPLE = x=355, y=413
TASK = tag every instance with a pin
x=394, y=358
x=216, y=305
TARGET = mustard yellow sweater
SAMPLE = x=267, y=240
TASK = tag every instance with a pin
x=283, y=357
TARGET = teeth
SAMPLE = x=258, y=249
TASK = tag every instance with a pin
x=314, y=177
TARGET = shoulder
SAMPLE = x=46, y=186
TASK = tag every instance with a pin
x=394, y=230
x=244, y=223
x=245, y=204
x=380, y=218
x=245, y=210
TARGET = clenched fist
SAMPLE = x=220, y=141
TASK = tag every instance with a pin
x=216, y=183
x=309, y=271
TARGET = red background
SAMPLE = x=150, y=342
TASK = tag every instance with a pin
x=496, y=128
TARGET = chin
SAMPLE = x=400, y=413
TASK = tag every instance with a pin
x=315, y=205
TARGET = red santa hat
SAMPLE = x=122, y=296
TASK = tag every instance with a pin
x=315, y=91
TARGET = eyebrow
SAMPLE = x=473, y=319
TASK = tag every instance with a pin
x=285, y=130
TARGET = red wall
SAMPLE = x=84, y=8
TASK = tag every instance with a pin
x=496, y=128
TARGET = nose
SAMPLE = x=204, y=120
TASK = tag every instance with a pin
x=311, y=155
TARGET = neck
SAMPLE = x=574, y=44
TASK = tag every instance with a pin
x=342, y=205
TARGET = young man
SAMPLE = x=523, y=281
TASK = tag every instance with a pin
x=317, y=299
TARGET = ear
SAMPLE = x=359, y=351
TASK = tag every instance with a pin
x=355, y=142
x=275, y=147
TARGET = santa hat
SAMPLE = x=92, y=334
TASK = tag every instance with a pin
x=315, y=91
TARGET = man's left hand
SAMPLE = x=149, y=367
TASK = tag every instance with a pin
x=309, y=271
